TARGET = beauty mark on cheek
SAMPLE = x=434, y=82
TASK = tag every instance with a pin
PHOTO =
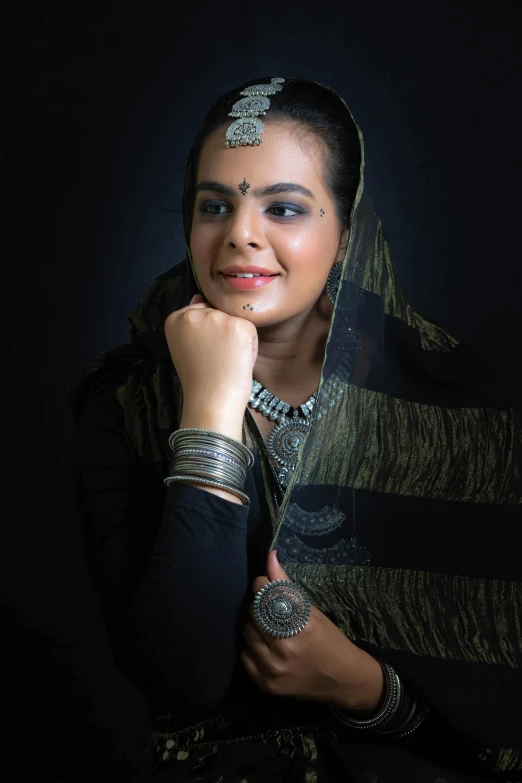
x=321, y=212
x=247, y=305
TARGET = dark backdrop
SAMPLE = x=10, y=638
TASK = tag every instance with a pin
x=102, y=102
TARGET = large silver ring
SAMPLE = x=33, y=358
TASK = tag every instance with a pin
x=282, y=608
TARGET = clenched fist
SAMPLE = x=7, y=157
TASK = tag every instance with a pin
x=214, y=355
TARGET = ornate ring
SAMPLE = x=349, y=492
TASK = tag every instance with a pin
x=282, y=608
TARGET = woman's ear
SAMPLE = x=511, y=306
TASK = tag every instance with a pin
x=343, y=243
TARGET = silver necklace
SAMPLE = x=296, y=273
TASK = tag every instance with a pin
x=293, y=424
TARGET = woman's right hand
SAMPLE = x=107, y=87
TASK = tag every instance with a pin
x=214, y=354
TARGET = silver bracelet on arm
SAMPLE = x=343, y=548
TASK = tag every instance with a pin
x=398, y=714
x=210, y=458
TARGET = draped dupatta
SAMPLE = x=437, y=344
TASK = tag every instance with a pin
x=402, y=517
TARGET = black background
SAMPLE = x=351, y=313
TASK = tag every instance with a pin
x=102, y=102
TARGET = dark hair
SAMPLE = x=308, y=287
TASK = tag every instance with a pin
x=313, y=108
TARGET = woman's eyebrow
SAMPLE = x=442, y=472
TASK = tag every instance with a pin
x=271, y=190
x=217, y=187
x=283, y=187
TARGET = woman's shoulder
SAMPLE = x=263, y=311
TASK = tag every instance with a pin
x=102, y=411
x=107, y=371
x=99, y=443
x=104, y=462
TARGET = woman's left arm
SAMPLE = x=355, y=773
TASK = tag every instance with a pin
x=318, y=664
x=473, y=722
x=322, y=664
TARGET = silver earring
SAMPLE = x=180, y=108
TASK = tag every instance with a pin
x=332, y=282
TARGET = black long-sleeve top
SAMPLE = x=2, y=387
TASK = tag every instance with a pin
x=173, y=570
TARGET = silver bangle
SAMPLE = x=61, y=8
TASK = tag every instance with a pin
x=201, y=437
x=388, y=709
x=198, y=480
x=209, y=458
x=414, y=724
x=411, y=706
x=213, y=454
x=210, y=476
x=208, y=471
x=214, y=445
x=209, y=467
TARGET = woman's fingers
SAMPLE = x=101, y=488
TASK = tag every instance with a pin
x=198, y=302
x=197, y=299
x=212, y=350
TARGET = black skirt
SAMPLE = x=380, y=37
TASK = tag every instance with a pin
x=299, y=742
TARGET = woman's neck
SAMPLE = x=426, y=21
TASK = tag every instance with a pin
x=289, y=360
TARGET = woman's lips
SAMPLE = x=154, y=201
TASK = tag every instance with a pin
x=247, y=283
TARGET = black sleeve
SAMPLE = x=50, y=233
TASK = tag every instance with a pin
x=170, y=568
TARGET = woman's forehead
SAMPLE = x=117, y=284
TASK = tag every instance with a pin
x=285, y=155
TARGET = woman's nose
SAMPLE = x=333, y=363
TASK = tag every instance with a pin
x=245, y=229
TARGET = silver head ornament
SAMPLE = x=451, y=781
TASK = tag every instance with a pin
x=247, y=129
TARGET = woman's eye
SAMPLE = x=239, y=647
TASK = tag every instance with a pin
x=213, y=208
x=219, y=208
x=285, y=210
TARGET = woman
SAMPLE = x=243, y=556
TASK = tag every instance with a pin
x=312, y=412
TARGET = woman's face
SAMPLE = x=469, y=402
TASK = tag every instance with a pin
x=264, y=207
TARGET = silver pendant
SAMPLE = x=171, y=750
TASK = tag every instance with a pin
x=284, y=443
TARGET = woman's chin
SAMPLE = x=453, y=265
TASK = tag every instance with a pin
x=242, y=307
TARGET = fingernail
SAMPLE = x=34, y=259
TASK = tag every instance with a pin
x=275, y=551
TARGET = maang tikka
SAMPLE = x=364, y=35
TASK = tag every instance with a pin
x=246, y=131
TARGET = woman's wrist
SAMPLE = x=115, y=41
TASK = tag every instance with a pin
x=367, y=696
x=215, y=422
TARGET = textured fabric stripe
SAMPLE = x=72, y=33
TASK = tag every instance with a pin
x=461, y=454
x=444, y=616
x=504, y=759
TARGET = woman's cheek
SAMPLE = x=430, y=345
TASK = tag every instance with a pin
x=307, y=248
x=203, y=251
x=301, y=245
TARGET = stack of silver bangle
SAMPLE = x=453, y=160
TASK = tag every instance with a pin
x=209, y=458
x=398, y=715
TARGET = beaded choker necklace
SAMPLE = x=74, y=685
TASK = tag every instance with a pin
x=293, y=423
